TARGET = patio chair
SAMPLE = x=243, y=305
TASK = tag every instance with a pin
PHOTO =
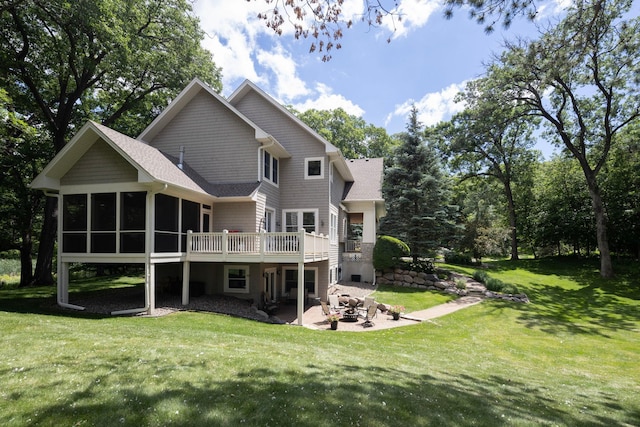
x=334, y=302
x=368, y=302
x=326, y=310
x=371, y=313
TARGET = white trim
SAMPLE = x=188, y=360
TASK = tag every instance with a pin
x=308, y=160
x=300, y=216
x=272, y=224
x=333, y=225
x=247, y=276
x=272, y=159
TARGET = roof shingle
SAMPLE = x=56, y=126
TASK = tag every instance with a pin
x=367, y=175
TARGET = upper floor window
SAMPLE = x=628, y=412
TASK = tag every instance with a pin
x=270, y=167
x=314, y=168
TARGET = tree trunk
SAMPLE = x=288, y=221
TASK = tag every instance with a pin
x=26, y=267
x=43, y=274
x=512, y=222
x=606, y=268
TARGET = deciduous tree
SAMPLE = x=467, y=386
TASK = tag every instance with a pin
x=351, y=134
x=114, y=61
x=581, y=77
x=324, y=21
x=491, y=138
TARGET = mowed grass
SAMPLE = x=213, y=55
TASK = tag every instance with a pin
x=570, y=357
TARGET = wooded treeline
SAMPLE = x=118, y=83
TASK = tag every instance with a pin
x=474, y=184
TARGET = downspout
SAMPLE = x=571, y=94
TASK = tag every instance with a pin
x=59, y=261
x=147, y=285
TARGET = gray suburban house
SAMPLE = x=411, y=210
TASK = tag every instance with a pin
x=232, y=196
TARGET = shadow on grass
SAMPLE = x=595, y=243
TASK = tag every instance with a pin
x=597, y=306
x=344, y=396
x=42, y=299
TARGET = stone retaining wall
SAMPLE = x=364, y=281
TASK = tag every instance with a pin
x=430, y=281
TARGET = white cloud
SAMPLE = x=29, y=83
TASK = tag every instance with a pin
x=232, y=30
x=433, y=107
x=552, y=8
x=282, y=66
x=245, y=48
x=327, y=100
x=412, y=14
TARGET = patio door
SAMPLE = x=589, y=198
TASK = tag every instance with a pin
x=269, y=216
x=270, y=285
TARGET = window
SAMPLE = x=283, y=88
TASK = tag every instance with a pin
x=107, y=227
x=166, y=234
x=294, y=220
x=314, y=168
x=133, y=220
x=190, y=220
x=236, y=278
x=74, y=223
x=291, y=279
x=103, y=223
x=333, y=226
x=270, y=166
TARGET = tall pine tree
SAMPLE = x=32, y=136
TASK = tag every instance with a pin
x=415, y=189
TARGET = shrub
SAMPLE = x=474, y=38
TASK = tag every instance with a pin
x=493, y=284
x=421, y=266
x=480, y=276
x=510, y=289
x=458, y=258
x=461, y=284
x=388, y=252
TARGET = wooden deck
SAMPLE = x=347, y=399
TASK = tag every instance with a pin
x=257, y=247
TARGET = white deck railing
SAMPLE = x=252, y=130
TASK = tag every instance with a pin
x=314, y=246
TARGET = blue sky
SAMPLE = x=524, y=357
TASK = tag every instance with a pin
x=427, y=62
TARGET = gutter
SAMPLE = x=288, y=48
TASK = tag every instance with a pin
x=59, y=266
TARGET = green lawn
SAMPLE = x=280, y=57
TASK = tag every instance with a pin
x=568, y=358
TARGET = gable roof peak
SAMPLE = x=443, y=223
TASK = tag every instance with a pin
x=331, y=150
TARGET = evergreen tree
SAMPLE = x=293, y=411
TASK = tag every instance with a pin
x=414, y=188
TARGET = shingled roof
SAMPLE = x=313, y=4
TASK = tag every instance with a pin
x=367, y=175
x=149, y=161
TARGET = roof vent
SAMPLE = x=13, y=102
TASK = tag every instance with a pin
x=181, y=157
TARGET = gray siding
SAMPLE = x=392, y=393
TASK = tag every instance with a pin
x=272, y=200
x=239, y=216
x=100, y=164
x=295, y=191
x=218, y=145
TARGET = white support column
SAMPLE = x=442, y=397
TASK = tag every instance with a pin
x=63, y=282
x=150, y=286
x=301, y=289
x=301, y=292
x=185, y=282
